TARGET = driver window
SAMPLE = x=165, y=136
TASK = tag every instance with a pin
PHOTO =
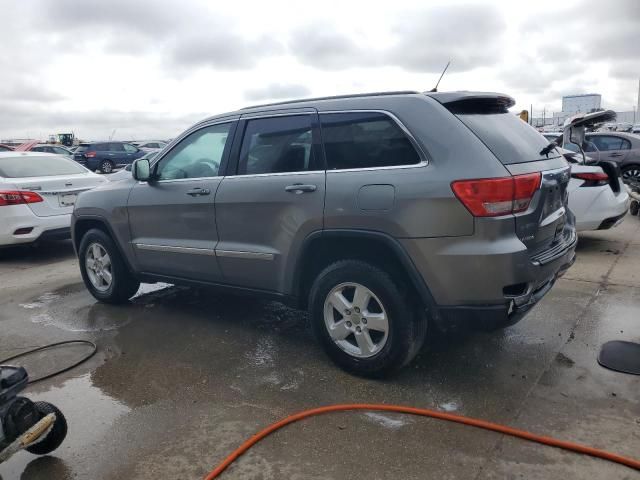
x=197, y=156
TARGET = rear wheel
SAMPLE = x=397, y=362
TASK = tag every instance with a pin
x=106, y=166
x=631, y=172
x=103, y=269
x=364, y=320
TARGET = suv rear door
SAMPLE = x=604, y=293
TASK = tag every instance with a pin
x=130, y=153
x=172, y=218
x=271, y=199
x=115, y=152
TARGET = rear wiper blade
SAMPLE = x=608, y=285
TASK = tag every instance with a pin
x=546, y=150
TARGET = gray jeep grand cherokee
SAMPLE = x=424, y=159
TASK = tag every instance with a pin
x=381, y=213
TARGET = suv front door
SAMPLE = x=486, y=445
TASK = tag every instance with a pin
x=172, y=217
x=272, y=198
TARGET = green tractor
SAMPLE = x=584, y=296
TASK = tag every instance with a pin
x=66, y=139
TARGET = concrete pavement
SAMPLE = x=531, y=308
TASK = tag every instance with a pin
x=184, y=376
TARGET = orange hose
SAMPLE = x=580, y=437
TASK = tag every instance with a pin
x=573, y=447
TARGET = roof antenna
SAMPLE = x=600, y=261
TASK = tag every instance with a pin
x=435, y=89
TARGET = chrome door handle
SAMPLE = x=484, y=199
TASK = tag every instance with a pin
x=299, y=188
x=195, y=192
x=615, y=155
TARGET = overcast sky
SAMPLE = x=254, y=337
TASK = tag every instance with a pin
x=148, y=69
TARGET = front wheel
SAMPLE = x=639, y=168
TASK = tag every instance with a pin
x=103, y=269
x=364, y=320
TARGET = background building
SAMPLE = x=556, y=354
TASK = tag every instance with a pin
x=589, y=102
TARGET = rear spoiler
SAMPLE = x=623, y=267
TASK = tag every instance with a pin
x=473, y=102
x=590, y=119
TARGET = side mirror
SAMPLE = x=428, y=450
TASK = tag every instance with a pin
x=141, y=170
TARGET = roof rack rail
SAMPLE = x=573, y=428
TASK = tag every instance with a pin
x=334, y=97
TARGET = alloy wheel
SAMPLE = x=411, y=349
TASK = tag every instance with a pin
x=356, y=320
x=631, y=173
x=106, y=167
x=98, y=267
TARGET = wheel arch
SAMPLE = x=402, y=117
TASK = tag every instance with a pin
x=324, y=247
x=81, y=225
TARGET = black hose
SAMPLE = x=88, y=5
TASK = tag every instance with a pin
x=94, y=349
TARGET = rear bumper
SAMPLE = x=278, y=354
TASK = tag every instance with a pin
x=612, y=221
x=17, y=217
x=492, y=317
x=487, y=282
x=598, y=212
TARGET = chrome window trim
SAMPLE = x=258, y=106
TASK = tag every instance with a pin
x=423, y=163
x=178, y=180
x=173, y=249
x=245, y=255
x=276, y=174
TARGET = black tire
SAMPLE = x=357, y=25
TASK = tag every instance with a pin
x=123, y=285
x=106, y=166
x=634, y=207
x=57, y=434
x=407, y=325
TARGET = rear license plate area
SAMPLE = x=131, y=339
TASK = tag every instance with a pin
x=67, y=199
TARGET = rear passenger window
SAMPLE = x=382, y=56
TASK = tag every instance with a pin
x=365, y=140
x=116, y=147
x=277, y=145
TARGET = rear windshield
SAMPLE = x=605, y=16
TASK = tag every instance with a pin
x=82, y=148
x=20, y=167
x=509, y=138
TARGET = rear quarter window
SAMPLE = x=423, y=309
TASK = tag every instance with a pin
x=365, y=140
x=509, y=138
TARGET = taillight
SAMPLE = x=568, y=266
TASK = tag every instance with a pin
x=592, y=179
x=90, y=154
x=18, y=197
x=491, y=197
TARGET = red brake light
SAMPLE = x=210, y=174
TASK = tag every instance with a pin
x=492, y=197
x=91, y=154
x=18, y=197
x=592, y=177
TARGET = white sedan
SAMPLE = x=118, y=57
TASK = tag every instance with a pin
x=37, y=195
x=597, y=196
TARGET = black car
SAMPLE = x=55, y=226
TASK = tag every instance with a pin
x=105, y=156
